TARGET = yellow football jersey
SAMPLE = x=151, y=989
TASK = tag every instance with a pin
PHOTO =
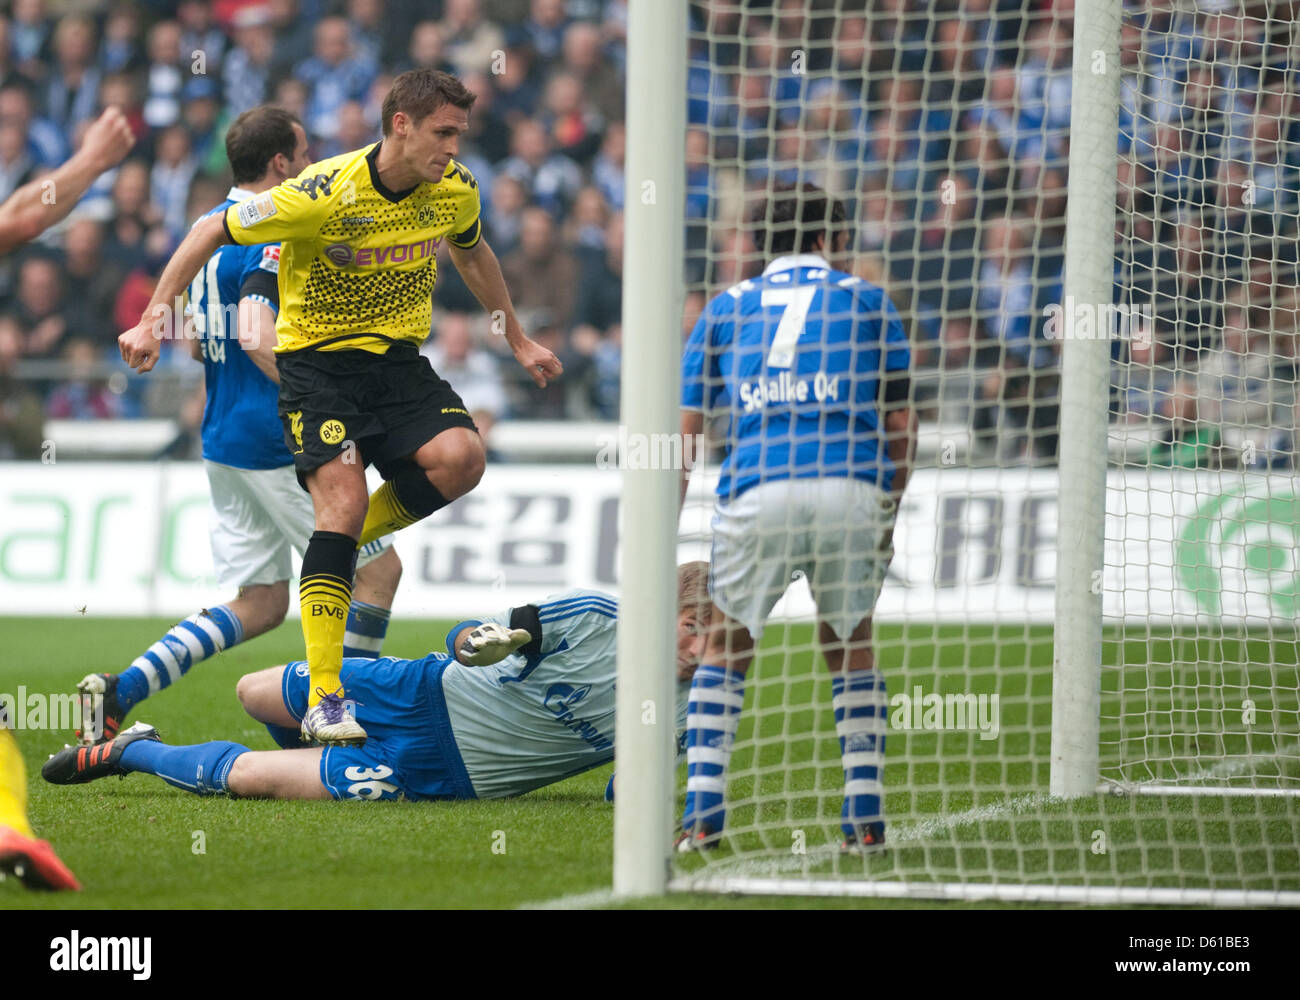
x=357, y=260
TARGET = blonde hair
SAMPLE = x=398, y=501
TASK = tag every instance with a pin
x=693, y=589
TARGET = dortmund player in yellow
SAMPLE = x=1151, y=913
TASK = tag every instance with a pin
x=358, y=235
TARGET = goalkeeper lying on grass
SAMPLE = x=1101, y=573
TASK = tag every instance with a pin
x=519, y=701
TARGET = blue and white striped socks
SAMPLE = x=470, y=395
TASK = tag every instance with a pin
x=186, y=643
x=860, y=719
x=367, y=625
x=713, y=716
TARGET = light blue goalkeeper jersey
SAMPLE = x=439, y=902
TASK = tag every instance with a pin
x=532, y=720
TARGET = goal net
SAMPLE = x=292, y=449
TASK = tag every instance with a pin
x=1140, y=639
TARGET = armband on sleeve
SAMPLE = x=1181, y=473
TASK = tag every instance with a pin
x=897, y=388
x=528, y=618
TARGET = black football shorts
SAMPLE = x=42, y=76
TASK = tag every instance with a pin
x=383, y=406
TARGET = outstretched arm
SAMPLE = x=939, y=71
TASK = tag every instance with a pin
x=482, y=273
x=34, y=207
x=161, y=318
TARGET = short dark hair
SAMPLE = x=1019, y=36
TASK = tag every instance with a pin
x=420, y=92
x=256, y=137
x=797, y=215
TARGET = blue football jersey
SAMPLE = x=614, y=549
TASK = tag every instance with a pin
x=241, y=423
x=796, y=357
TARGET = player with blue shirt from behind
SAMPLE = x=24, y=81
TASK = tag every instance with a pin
x=518, y=701
x=810, y=366
x=258, y=510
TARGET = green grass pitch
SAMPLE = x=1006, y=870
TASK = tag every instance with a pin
x=959, y=807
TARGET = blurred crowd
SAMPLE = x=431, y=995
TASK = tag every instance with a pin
x=943, y=124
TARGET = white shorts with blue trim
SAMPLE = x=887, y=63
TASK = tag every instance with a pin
x=832, y=530
x=256, y=517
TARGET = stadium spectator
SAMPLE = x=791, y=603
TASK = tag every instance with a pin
x=84, y=393
x=354, y=131
x=246, y=70
x=47, y=144
x=600, y=290
x=119, y=50
x=22, y=424
x=16, y=163
x=905, y=141
x=544, y=29
x=335, y=74
x=1187, y=442
x=169, y=181
x=735, y=258
x=1005, y=301
x=472, y=370
x=551, y=180
x=426, y=50
x=366, y=22
x=541, y=272
x=292, y=95
x=1146, y=381
x=504, y=216
x=29, y=37
x=584, y=231
x=122, y=91
x=293, y=35
x=1245, y=386
x=39, y=307
x=606, y=370
x=487, y=142
x=940, y=270
x=602, y=87
x=574, y=127
x=165, y=75
x=607, y=170
x=518, y=88
x=97, y=279
x=1043, y=87
x=72, y=94
x=470, y=42
x=202, y=42
x=134, y=214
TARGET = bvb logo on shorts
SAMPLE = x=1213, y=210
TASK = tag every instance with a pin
x=295, y=428
x=332, y=431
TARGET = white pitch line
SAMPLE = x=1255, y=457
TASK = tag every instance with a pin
x=577, y=901
x=902, y=833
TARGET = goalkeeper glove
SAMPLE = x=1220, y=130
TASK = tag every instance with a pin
x=490, y=643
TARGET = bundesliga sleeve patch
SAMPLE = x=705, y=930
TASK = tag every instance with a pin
x=270, y=258
x=256, y=210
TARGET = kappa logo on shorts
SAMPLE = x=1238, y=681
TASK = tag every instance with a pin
x=295, y=428
x=332, y=431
